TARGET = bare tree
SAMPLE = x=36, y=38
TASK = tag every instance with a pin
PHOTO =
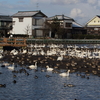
x=28, y=30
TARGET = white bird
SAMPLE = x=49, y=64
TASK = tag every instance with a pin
x=48, y=68
x=6, y=64
x=33, y=66
x=11, y=67
x=1, y=56
x=60, y=58
x=65, y=73
x=24, y=51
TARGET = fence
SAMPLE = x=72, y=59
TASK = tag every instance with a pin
x=22, y=42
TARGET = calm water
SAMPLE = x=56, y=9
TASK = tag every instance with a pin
x=47, y=88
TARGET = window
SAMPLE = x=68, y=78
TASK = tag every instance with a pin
x=20, y=19
x=37, y=22
x=3, y=24
x=39, y=33
x=61, y=23
x=68, y=24
x=96, y=29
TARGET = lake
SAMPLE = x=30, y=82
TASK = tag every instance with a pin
x=44, y=85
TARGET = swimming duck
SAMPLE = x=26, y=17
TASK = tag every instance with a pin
x=2, y=85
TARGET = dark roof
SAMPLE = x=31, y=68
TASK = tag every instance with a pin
x=74, y=24
x=98, y=16
x=27, y=13
x=60, y=17
x=5, y=18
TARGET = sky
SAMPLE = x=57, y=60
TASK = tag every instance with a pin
x=80, y=10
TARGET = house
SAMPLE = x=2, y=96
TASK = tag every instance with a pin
x=5, y=25
x=68, y=25
x=93, y=26
x=77, y=29
x=29, y=23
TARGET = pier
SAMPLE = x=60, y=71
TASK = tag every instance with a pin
x=14, y=42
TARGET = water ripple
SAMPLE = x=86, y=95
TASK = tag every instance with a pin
x=48, y=88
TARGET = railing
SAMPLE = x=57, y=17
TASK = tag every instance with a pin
x=67, y=41
x=22, y=42
x=17, y=42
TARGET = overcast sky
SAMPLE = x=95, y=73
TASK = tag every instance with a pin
x=80, y=10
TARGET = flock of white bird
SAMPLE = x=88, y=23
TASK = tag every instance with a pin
x=54, y=49
x=59, y=50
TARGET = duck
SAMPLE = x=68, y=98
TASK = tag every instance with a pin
x=48, y=76
x=65, y=73
x=70, y=85
x=36, y=77
x=11, y=67
x=48, y=68
x=33, y=66
x=2, y=85
x=14, y=81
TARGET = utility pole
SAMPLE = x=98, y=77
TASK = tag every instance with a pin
x=37, y=6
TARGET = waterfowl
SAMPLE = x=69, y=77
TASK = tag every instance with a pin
x=60, y=58
x=47, y=76
x=33, y=66
x=6, y=64
x=27, y=73
x=14, y=81
x=65, y=84
x=14, y=76
x=1, y=56
x=2, y=65
x=65, y=73
x=48, y=68
x=11, y=67
x=35, y=76
x=70, y=85
x=2, y=85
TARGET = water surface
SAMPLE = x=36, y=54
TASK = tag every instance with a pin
x=47, y=86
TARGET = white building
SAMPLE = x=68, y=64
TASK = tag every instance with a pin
x=28, y=23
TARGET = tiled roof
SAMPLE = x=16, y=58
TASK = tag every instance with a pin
x=25, y=13
x=60, y=17
x=5, y=18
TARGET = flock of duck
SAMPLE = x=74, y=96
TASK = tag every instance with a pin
x=52, y=57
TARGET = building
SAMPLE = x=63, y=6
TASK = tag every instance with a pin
x=64, y=22
x=78, y=30
x=29, y=23
x=5, y=25
x=93, y=26
x=68, y=26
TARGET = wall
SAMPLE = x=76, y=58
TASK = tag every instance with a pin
x=95, y=21
x=20, y=27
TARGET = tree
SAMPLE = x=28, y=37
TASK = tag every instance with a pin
x=27, y=30
x=54, y=26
